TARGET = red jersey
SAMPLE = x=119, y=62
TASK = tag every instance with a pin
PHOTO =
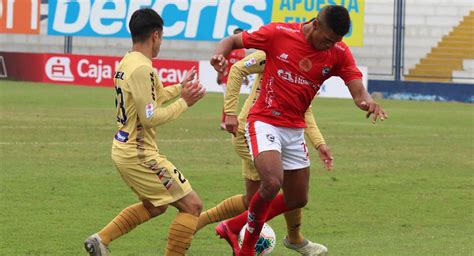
x=233, y=57
x=294, y=72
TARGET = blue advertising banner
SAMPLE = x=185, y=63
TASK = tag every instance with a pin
x=205, y=20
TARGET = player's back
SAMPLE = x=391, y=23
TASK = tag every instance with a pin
x=134, y=79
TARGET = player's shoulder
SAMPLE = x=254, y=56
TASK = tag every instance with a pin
x=286, y=27
x=341, y=47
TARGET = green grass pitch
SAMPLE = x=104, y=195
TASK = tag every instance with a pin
x=402, y=187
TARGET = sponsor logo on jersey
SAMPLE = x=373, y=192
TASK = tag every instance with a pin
x=283, y=57
x=276, y=113
x=121, y=136
x=250, y=63
x=305, y=64
x=287, y=29
x=326, y=71
x=270, y=138
x=149, y=110
x=296, y=79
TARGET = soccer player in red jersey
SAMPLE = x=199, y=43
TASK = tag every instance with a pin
x=233, y=57
x=300, y=57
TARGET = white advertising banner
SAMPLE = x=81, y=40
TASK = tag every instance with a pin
x=334, y=87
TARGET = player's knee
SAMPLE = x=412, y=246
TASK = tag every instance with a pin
x=194, y=207
x=300, y=202
x=155, y=210
x=191, y=204
x=269, y=188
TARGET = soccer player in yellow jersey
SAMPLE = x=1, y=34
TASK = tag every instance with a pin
x=233, y=206
x=156, y=181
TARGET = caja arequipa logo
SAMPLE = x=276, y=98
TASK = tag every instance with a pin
x=59, y=69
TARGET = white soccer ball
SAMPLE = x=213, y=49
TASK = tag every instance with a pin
x=266, y=242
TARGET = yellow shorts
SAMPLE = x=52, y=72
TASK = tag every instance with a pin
x=156, y=180
x=240, y=145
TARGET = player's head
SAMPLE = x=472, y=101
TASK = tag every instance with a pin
x=238, y=31
x=147, y=25
x=329, y=27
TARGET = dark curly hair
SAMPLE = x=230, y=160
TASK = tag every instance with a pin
x=336, y=18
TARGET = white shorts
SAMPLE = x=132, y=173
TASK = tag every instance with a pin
x=289, y=142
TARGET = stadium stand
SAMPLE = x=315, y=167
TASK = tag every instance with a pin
x=426, y=23
x=452, y=59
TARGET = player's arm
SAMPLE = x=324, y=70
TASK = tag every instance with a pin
x=315, y=137
x=312, y=130
x=144, y=97
x=353, y=79
x=173, y=91
x=260, y=39
x=364, y=101
x=252, y=64
x=224, y=47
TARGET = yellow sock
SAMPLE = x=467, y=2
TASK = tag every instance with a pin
x=125, y=221
x=181, y=234
x=293, y=225
x=227, y=209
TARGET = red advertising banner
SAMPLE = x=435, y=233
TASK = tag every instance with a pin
x=81, y=69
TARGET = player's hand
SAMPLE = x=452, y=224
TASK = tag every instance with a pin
x=192, y=92
x=219, y=63
x=190, y=75
x=326, y=156
x=231, y=124
x=375, y=110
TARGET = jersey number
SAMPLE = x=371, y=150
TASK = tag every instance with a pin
x=120, y=105
x=180, y=176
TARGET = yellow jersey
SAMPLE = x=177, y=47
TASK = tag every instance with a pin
x=255, y=64
x=139, y=99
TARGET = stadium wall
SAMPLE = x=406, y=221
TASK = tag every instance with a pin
x=407, y=90
x=426, y=22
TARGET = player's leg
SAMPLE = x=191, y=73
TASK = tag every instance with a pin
x=176, y=191
x=236, y=204
x=136, y=177
x=295, y=188
x=293, y=226
x=265, y=147
x=269, y=166
x=183, y=227
x=230, y=229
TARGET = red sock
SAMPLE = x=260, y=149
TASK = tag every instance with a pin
x=235, y=224
x=258, y=211
x=277, y=207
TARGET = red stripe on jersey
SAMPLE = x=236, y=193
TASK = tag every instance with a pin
x=253, y=139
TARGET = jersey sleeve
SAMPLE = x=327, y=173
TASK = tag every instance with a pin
x=254, y=63
x=312, y=131
x=148, y=111
x=170, y=92
x=260, y=39
x=348, y=70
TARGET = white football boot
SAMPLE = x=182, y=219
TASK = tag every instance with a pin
x=95, y=247
x=307, y=248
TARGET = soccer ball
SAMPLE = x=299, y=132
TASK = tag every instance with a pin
x=266, y=241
